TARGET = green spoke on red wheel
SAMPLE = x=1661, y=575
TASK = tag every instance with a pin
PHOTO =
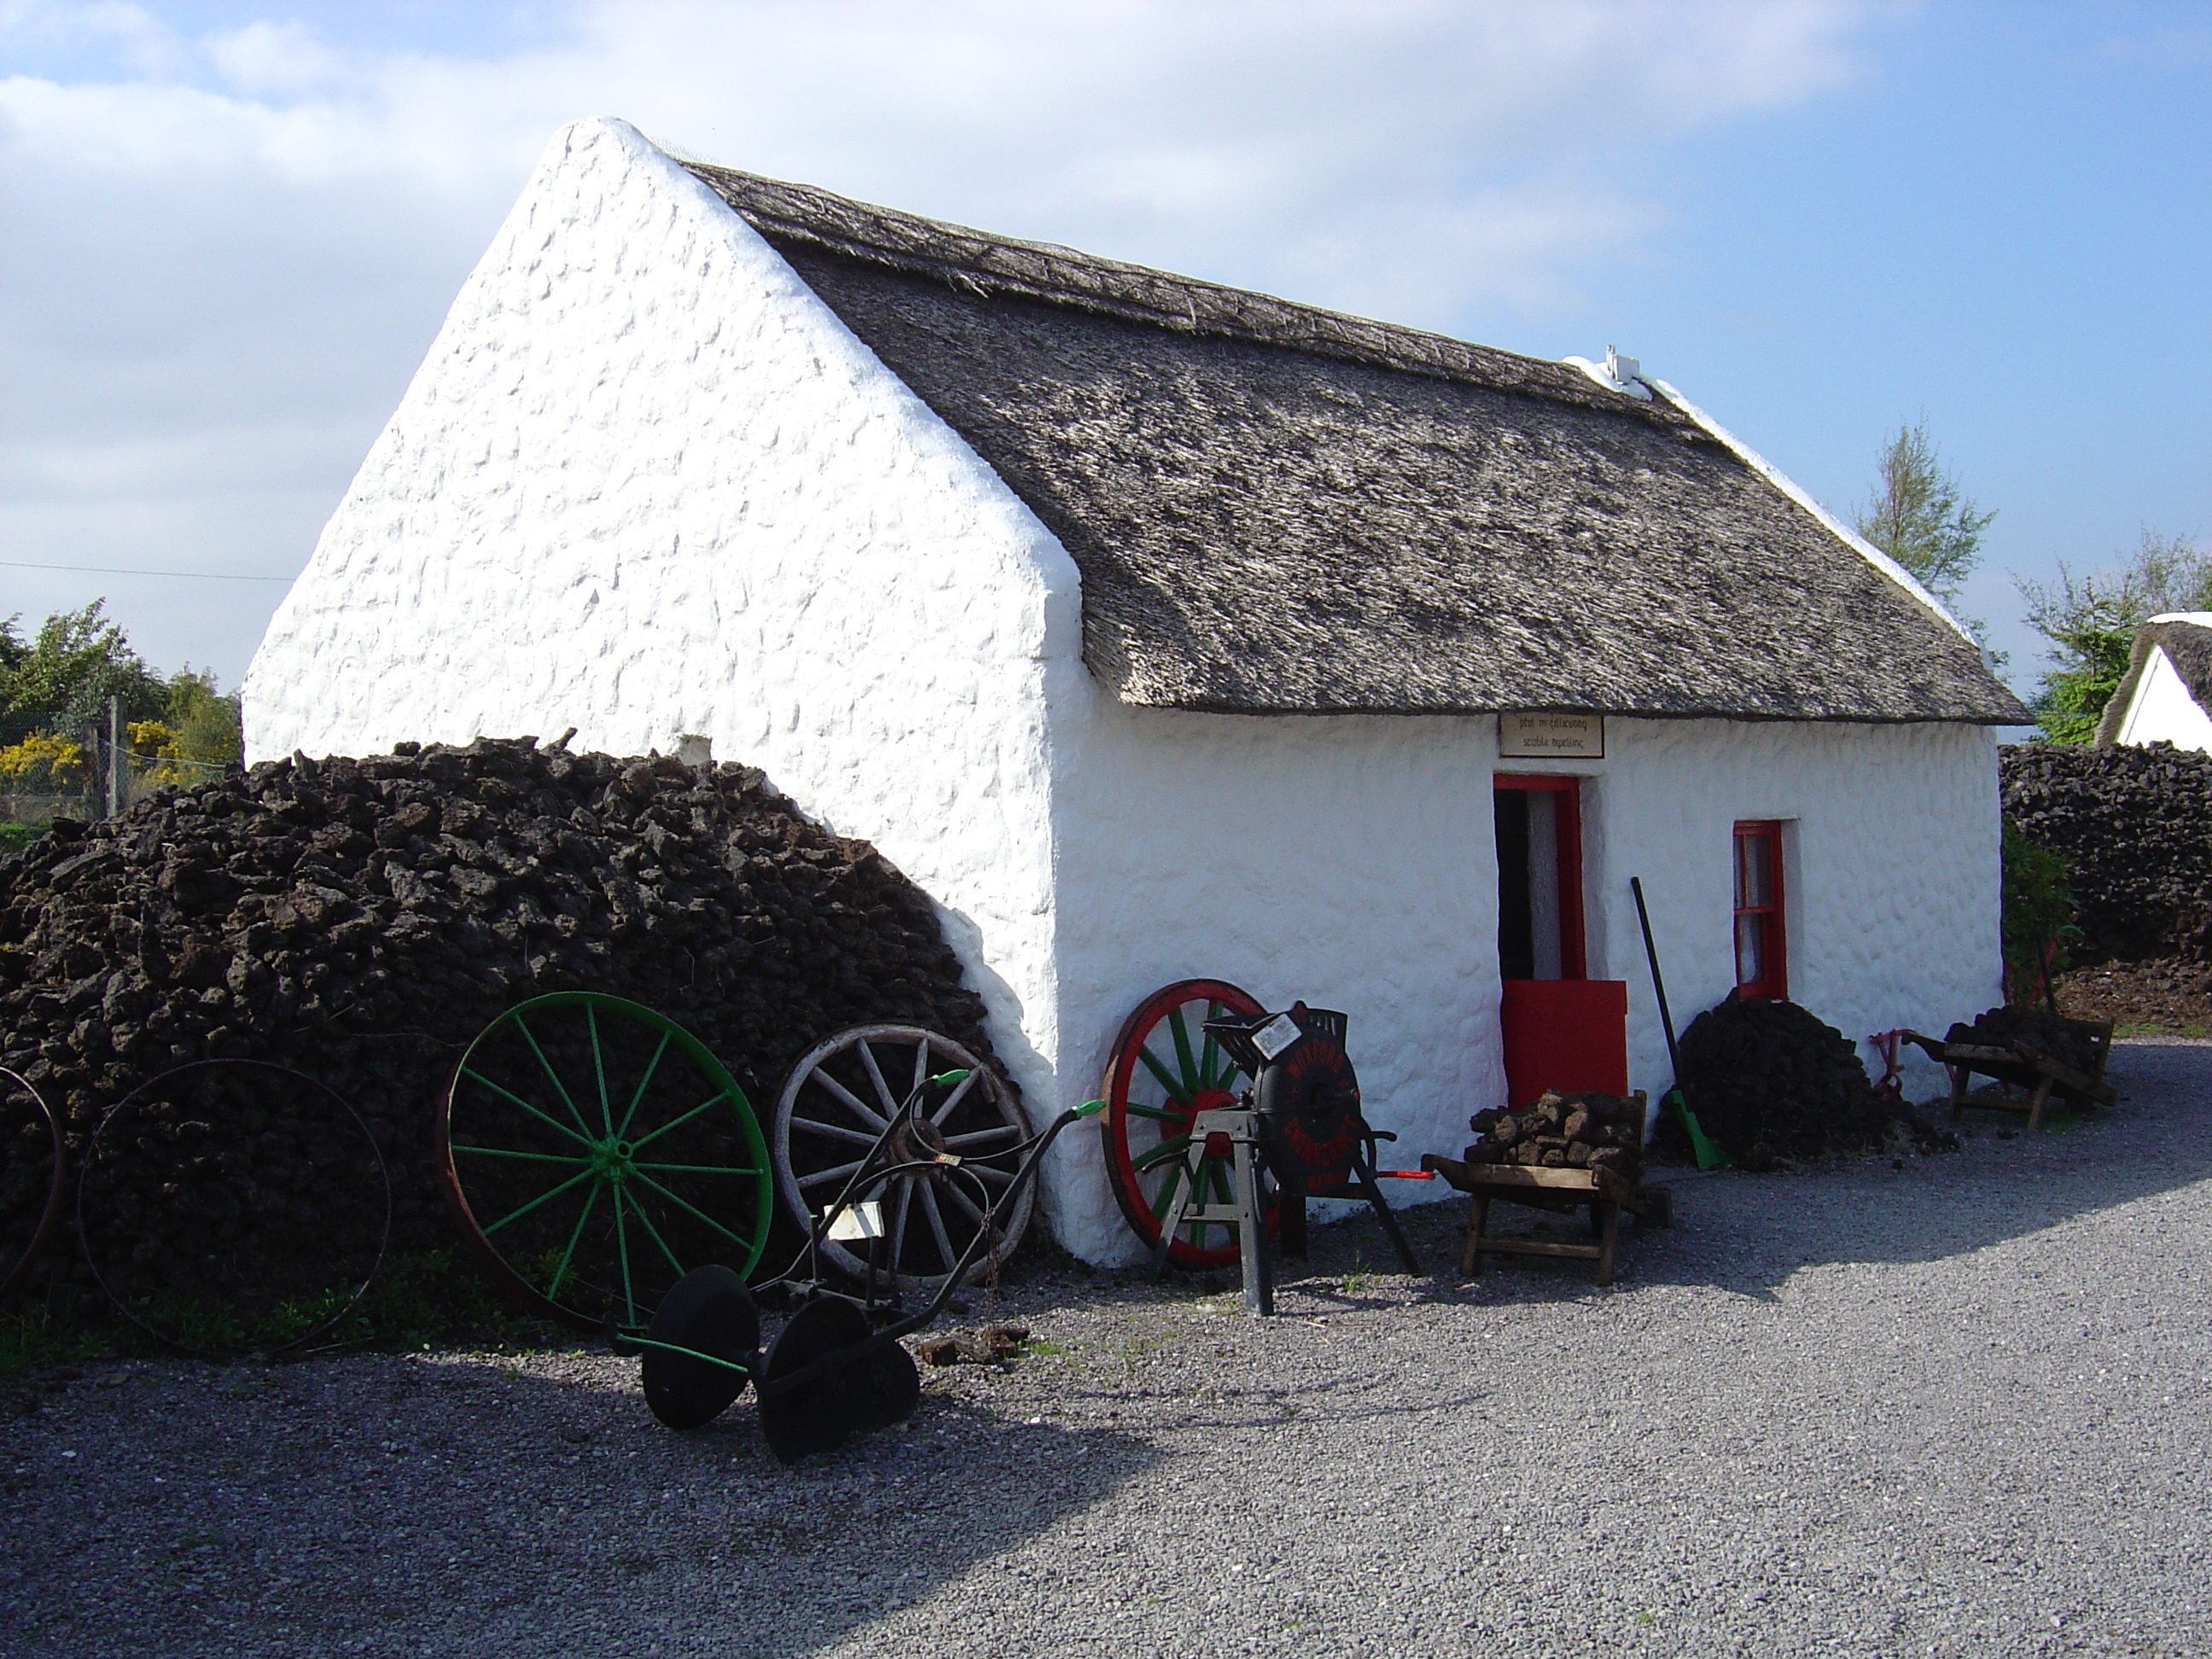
x=552, y=1076
x=1166, y=1149
x=694, y=1209
x=651, y=1067
x=585, y=1175
x=535, y=1158
x=509, y=1095
x=1174, y=1085
x=1155, y=1114
x=1184, y=1063
x=1211, y=1054
x=576, y=1232
x=643, y=1141
x=1166, y=1195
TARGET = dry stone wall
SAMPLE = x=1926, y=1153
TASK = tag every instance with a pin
x=2135, y=826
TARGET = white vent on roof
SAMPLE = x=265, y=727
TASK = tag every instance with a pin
x=1615, y=374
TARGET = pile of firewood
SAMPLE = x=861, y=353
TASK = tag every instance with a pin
x=361, y=920
x=1584, y=1131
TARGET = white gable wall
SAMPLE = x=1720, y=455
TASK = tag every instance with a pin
x=646, y=485
x=2163, y=709
x=1351, y=861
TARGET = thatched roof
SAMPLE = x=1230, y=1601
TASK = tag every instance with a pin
x=2186, y=639
x=1278, y=509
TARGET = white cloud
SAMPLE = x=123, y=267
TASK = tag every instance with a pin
x=233, y=249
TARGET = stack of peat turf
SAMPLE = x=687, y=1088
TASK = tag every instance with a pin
x=361, y=920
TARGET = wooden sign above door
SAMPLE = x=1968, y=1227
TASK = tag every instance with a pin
x=1551, y=737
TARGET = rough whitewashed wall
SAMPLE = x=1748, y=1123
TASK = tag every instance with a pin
x=1891, y=875
x=647, y=485
x=2163, y=708
x=1351, y=862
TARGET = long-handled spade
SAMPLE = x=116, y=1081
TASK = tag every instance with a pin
x=1708, y=1155
x=829, y=1373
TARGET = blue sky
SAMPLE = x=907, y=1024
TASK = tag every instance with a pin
x=228, y=232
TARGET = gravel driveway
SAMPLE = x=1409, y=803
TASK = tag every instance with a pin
x=1958, y=1408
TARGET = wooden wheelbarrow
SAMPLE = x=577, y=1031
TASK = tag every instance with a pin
x=2022, y=1064
x=1606, y=1195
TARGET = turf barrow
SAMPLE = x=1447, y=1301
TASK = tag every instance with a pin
x=838, y=1367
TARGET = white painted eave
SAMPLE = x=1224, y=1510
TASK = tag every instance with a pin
x=1843, y=532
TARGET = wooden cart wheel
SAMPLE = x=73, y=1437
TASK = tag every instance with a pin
x=31, y=1163
x=1163, y=1071
x=836, y=1102
x=230, y=1206
x=592, y=1152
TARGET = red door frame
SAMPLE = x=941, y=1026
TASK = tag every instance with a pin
x=1764, y=836
x=1574, y=956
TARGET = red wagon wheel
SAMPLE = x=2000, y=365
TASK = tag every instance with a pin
x=31, y=1159
x=1165, y=1070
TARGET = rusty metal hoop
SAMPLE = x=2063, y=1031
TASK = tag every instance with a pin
x=836, y=1101
x=1152, y=1096
x=116, y=1114
x=12, y=1273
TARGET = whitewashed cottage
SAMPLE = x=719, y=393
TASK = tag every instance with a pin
x=1159, y=629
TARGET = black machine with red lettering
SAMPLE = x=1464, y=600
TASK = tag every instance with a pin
x=1311, y=1135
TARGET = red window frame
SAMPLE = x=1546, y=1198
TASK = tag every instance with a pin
x=1758, y=908
x=1574, y=956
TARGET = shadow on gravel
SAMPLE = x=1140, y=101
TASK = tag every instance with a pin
x=1747, y=1233
x=395, y=1507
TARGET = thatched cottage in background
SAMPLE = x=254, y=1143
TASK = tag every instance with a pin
x=2167, y=689
x=1161, y=629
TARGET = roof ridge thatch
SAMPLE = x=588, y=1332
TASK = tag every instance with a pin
x=1279, y=509
x=982, y=263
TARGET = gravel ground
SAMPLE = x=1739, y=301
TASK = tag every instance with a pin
x=1957, y=1408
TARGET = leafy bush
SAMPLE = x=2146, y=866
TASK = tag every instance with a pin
x=2039, y=918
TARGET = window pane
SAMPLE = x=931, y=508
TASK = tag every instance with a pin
x=1750, y=951
x=1754, y=884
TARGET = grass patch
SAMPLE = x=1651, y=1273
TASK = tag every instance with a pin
x=1355, y=1277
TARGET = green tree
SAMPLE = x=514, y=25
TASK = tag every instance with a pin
x=1920, y=517
x=2091, y=621
x=75, y=663
x=205, y=721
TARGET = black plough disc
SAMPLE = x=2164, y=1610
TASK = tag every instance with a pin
x=709, y=1312
x=851, y=1397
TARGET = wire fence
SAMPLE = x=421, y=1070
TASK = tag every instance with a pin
x=45, y=775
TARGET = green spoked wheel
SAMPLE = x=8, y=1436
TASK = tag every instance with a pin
x=1163, y=1071
x=593, y=1153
